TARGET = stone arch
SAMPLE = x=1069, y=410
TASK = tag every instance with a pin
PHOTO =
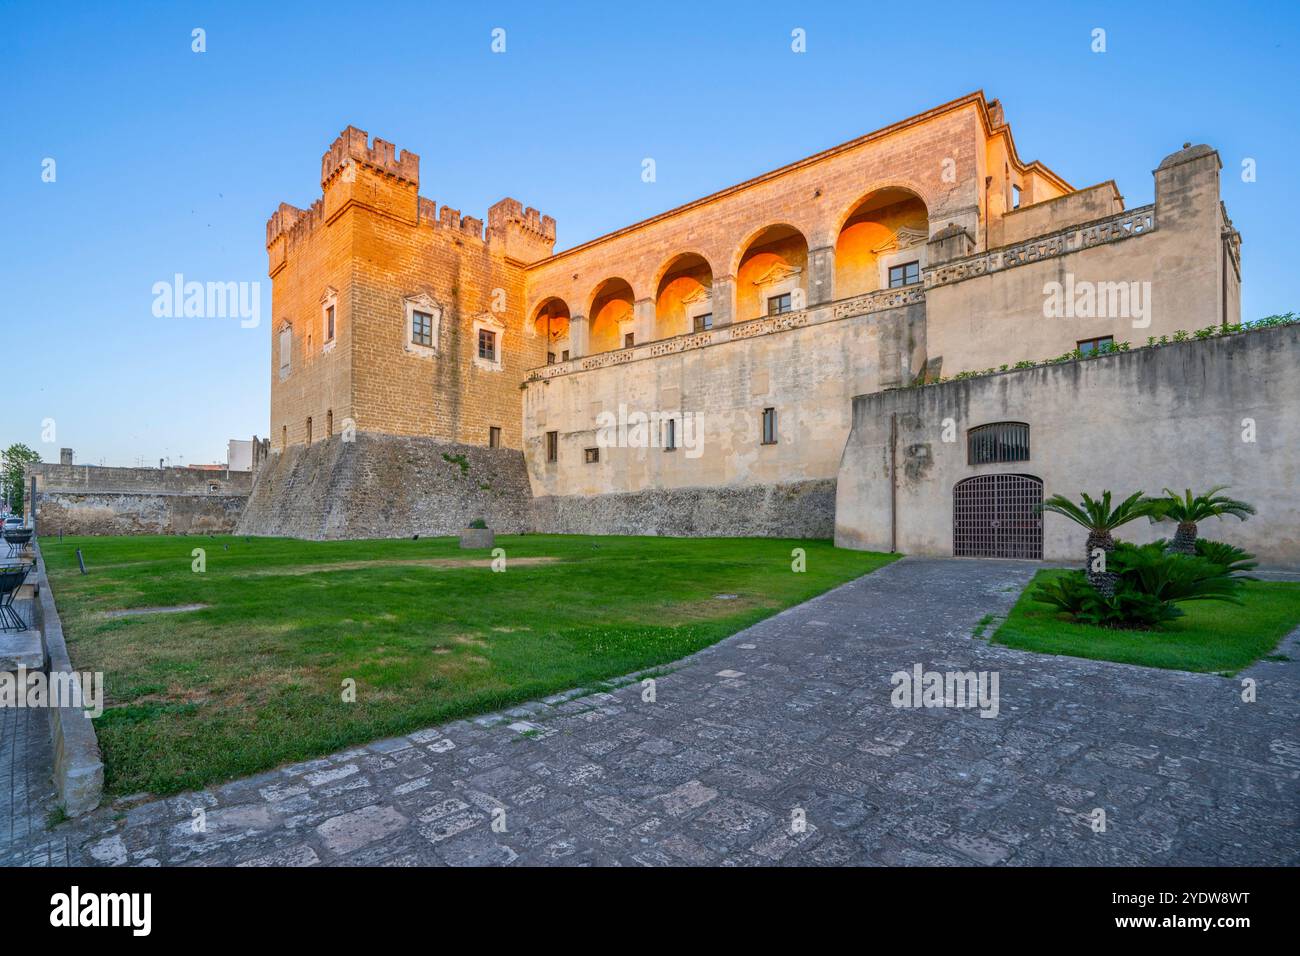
x=771, y=263
x=683, y=295
x=610, y=315
x=887, y=227
x=550, y=322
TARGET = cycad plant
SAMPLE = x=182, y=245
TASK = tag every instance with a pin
x=1188, y=509
x=1097, y=515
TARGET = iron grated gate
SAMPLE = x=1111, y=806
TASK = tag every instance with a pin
x=998, y=516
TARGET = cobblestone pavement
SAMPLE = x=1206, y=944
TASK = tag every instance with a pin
x=789, y=720
x=26, y=787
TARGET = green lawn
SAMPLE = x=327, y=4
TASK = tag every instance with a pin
x=255, y=679
x=1213, y=636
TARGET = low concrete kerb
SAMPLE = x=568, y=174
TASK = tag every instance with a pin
x=78, y=767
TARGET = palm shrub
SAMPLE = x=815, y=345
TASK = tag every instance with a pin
x=1097, y=515
x=1231, y=558
x=1149, y=584
x=1188, y=509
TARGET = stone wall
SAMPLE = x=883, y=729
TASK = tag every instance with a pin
x=97, y=500
x=800, y=509
x=383, y=486
x=109, y=512
x=1186, y=415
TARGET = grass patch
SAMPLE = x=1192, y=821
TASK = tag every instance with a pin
x=982, y=625
x=1212, y=637
x=256, y=677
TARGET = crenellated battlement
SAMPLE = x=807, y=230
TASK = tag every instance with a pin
x=352, y=146
x=448, y=218
x=510, y=212
x=291, y=221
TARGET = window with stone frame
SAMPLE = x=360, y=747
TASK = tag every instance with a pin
x=487, y=345
x=552, y=447
x=494, y=436
x=703, y=322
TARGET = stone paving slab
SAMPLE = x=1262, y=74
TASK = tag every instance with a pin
x=780, y=745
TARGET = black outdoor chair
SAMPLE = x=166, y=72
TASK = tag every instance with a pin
x=12, y=577
x=18, y=540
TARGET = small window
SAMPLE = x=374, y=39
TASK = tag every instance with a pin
x=1015, y=197
x=704, y=322
x=552, y=447
x=769, y=426
x=998, y=442
x=487, y=345
x=779, y=304
x=494, y=437
x=1089, y=346
x=550, y=358
x=564, y=356
x=329, y=423
x=284, y=438
x=421, y=328
x=629, y=340
x=309, y=431
x=670, y=434
x=905, y=274
x=591, y=455
x=329, y=323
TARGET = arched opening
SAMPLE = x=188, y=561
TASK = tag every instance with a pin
x=684, y=298
x=551, y=323
x=772, y=275
x=998, y=516
x=610, y=316
x=882, y=243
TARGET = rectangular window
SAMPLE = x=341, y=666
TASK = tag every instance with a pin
x=564, y=356
x=494, y=437
x=670, y=434
x=487, y=345
x=1088, y=346
x=1015, y=197
x=778, y=304
x=769, y=426
x=704, y=322
x=552, y=446
x=550, y=358
x=629, y=340
x=905, y=274
x=421, y=329
x=329, y=323
x=591, y=455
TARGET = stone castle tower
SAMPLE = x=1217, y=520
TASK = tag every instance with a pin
x=389, y=311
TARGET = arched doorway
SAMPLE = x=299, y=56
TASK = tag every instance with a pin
x=998, y=516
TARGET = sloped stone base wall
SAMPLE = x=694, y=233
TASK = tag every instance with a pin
x=383, y=486
x=804, y=509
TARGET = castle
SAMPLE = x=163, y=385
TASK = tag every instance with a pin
x=427, y=367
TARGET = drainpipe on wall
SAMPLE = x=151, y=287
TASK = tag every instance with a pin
x=893, y=483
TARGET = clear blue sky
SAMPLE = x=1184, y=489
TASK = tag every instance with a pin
x=170, y=161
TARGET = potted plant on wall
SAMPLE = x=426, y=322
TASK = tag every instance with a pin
x=477, y=535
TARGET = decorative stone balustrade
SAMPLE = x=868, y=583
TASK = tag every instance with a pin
x=1125, y=225
x=864, y=304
